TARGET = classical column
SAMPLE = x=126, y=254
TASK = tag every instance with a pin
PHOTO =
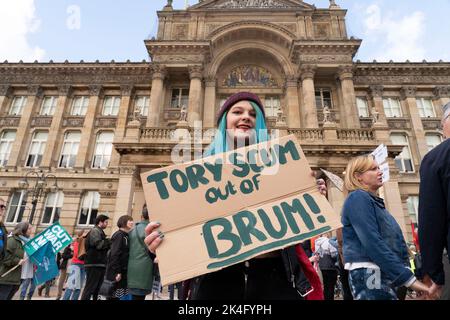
x=195, y=94
x=159, y=73
x=309, y=27
x=351, y=117
x=408, y=93
x=209, y=105
x=442, y=97
x=87, y=134
x=293, y=109
x=51, y=154
x=122, y=120
x=35, y=94
x=125, y=191
x=5, y=97
x=391, y=194
x=309, y=110
x=301, y=27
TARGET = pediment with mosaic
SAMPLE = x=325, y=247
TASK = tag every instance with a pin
x=243, y=4
x=249, y=76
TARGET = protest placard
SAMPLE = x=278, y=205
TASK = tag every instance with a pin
x=336, y=180
x=56, y=234
x=228, y=208
x=380, y=154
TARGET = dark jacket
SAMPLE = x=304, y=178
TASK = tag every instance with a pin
x=97, y=246
x=371, y=234
x=14, y=253
x=3, y=240
x=64, y=257
x=118, y=258
x=434, y=210
x=140, y=261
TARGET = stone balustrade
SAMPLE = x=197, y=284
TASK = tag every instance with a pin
x=355, y=135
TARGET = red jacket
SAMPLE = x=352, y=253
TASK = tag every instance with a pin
x=310, y=273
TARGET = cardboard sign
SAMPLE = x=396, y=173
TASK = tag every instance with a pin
x=56, y=234
x=385, y=170
x=337, y=181
x=225, y=209
x=380, y=154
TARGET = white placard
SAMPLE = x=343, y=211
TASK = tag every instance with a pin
x=385, y=170
x=380, y=154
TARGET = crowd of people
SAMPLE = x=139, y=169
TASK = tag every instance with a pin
x=368, y=257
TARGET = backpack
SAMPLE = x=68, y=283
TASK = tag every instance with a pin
x=82, y=248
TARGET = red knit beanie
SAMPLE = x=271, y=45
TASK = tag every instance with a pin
x=236, y=98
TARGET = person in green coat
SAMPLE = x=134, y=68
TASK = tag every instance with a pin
x=140, y=261
x=10, y=283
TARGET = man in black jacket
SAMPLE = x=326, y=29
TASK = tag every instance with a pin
x=3, y=231
x=97, y=246
x=434, y=209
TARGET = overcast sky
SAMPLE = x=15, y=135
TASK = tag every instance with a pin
x=41, y=30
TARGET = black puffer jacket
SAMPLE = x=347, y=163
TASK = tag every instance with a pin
x=118, y=258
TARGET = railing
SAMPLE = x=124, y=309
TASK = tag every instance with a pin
x=307, y=134
x=355, y=134
x=42, y=121
x=73, y=121
x=9, y=121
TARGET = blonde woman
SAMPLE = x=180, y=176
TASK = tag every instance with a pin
x=374, y=250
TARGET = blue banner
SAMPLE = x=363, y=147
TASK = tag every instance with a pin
x=45, y=261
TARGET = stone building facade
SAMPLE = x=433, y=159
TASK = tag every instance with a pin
x=97, y=126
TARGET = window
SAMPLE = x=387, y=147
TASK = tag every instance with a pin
x=89, y=208
x=363, y=108
x=111, y=106
x=392, y=107
x=142, y=104
x=79, y=106
x=425, y=106
x=271, y=106
x=17, y=106
x=17, y=207
x=6, y=141
x=48, y=106
x=433, y=140
x=323, y=98
x=53, y=207
x=413, y=208
x=103, y=150
x=403, y=160
x=180, y=98
x=37, y=149
x=70, y=149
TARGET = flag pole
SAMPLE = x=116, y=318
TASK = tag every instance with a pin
x=9, y=271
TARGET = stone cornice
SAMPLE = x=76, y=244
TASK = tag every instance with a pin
x=177, y=47
x=329, y=47
x=75, y=73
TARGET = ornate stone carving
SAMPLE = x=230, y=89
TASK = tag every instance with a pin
x=179, y=58
x=441, y=92
x=65, y=90
x=345, y=72
x=307, y=71
x=375, y=115
x=386, y=79
x=5, y=90
x=399, y=123
x=73, y=122
x=212, y=27
x=41, y=122
x=376, y=91
x=9, y=122
x=108, y=194
x=291, y=81
x=325, y=58
x=292, y=27
x=127, y=89
x=196, y=72
x=127, y=170
x=183, y=113
x=159, y=71
x=96, y=90
x=321, y=30
x=242, y=4
x=431, y=124
x=180, y=31
x=73, y=193
x=35, y=90
x=106, y=122
x=408, y=92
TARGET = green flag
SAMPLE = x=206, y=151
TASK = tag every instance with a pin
x=55, y=234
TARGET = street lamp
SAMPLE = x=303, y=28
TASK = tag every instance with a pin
x=39, y=187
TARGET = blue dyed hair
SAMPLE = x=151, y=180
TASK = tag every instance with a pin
x=220, y=143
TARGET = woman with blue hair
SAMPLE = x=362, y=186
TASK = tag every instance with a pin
x=283, y=274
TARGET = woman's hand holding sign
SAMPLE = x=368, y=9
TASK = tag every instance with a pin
x=154, y=237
